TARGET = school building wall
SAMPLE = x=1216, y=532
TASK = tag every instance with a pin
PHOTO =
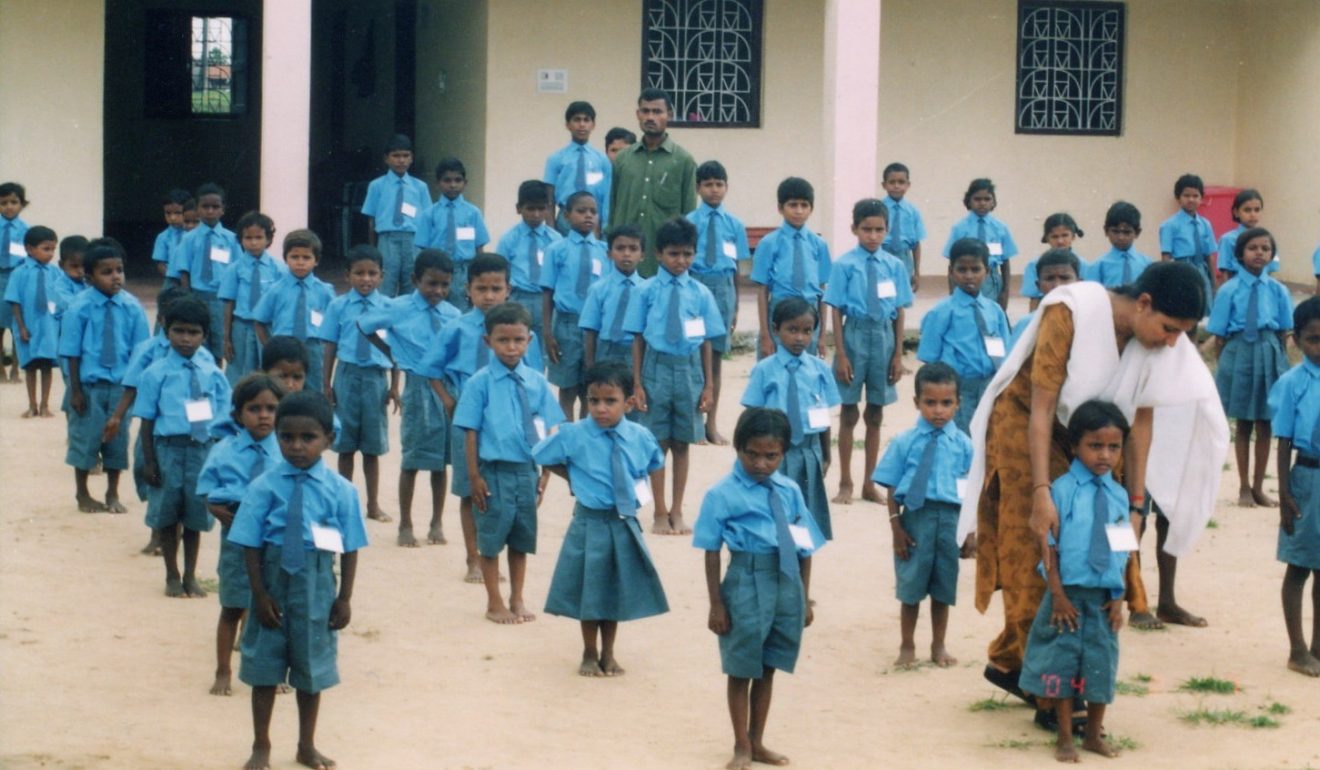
x=451, y=89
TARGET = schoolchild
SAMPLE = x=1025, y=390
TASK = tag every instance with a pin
x=616, y=141
x=1061, y=231
x=572, y=266
x=251, y=275
x=604, y=573
x=201, y=259
x=297, y=614
x=1054, y=268
x=1250, y=319
x=803, y=387
x=525, y=245
x=1187, y=236
x=673, y=318
x=167, y=240
x=980, y=200
x=412, y=323
x=97, y=336
x=505, y=409
x=453, y=225
x=13, y=199
x=721, y=245
x=868, y=291
x=72, y=281
x=353, y=375
x=394, y=201
x=286, y=359
x=906, y=227
x=922, y=469
x=1122, y=264
x=230, y=468
x=762, y=605
x=295, y=305
x=1246, y=211
x=606, y=306
x=967, y=330
x=178, y=397
x=790, y=261
x=1072, y=648
x=32, y=299
x=578, y=167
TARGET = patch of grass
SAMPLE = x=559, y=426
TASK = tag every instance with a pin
x=1014, y=743
x=1143, y=678
x=1212, y=524
x=991, y=704
x=1263, y=722
x=1278, y=709
x=1214, y=717
x=1209, y=684
x=1131, y=688
x=209, y=585
x=1124, y=743
x=1227, y=467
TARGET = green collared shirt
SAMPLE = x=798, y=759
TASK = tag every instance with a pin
x=651, y=186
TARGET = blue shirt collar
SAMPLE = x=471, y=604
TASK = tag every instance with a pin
x=457, y=199
x=745, y=480
x=178, y=360
x=925, y=427
x=1192, y=217
x=1248, y=279
x=782, y=354
x=634, y=278
x=790, y=230
x=682, y=280
x=317, y=471
x=579, y=238
x=709, y=209
x=963, y=299
x=499, y=371
x=1311, y=368
x=1083, y=475
x=533, y=230
x=108, y=298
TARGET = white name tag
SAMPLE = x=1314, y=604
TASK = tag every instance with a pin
x=1121, y=537
x=198, y=411
x=540, y=257
x=220, y=255
x=384, y=337
x=643, y=491
x=994, y=347
x=16, y=248
x=465, y=233
x=50, y=308
x=695, y=328
x=408, y=210
x=801, y=536
x=326, y=539
x=595, y=267
x=818, y=417
x=594, y=177
x=996, y=248
x=317, y=318
x=886, y=289
x=961, y=484
x=730, y=250
x=539, y=423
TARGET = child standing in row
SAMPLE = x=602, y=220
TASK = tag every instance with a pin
x=525, y=245
x=578, y=167
x=790, y=261
x=393, y=203
x=1056, y=267
x=606, y=306
x=32, y=298
x=906, y=227
x=1060, y=232
x=167, y=240
x=13, y=199
x=571, y=266
x=983, y=226
x=1122, y=264
x=454, y=226
x=1246, y=211
x=1187, y=236
x=295, y=305
x=201, y=259
x=241, y=289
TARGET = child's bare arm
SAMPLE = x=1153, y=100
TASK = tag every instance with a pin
x=117, y=419
x=263, y=336
x=719, y=616
x=393, y=393
x=263, y=605
x=804, y=567
x=77, y=399
x=547, y=325
x=825, y=451
x=151, y=468
x=341, y=611
x=1064, y=616
x=896, y=363
x=708, y=389
x=328, y=371
x=559, y=470
x=916, y=266
x=443, y=394
x=229, y=328
x=1289, y=512
x=763, y=320
x=588, y=348
x=639, y=389
x=903, y=542
x=223, y=512
x=843, y=370
x=471, y=451
x=23, y=332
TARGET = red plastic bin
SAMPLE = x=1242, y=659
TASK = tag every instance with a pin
x=1217, y=206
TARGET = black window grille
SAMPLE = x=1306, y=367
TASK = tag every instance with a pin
x=707, y=55
x=1070, y=67
x=196, y=66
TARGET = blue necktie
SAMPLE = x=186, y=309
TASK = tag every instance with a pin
x=620, y=311
x=1251, y=330
x=585, y=265
x=1127, y=268
x=108, y=337
x=525, y=404
x=8, y=261
x=673, y=320
x=788, y=561
x=198, y=430
x=258, y=464
x=300, y=313
x=873, y=286
x=624, y=500
x=42, y=300
x=712, y=236
x=896, y=229
x=794, y=402
x=799, y=265
x=254, y=288
x=1097, y=556
x=451, y=228
x=916, y=493
x=435, y=318
x=398, y=204
x=580, y=175
x=208, y=274
x=980, y=229
x=533, y=264
x=982, y=327
x=483, y=354
x=363, y=346
x=293, y=556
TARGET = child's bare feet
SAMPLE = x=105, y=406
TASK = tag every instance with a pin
x=1065, y=750
x=871, y=493
x=406, y=538
x=473, y=574
x=1179, y=616
x=520, y=610
x=173, y=587
x=713, y=436
x=1245, y=499
x=941, y=657
x=310, y=757
x=767, y=757
x=96, y=470
x=260, y=759
x=1144, y=621
x=679, y=526
x=46, y=412
x=1263, y=500
x=1100, y=746
x=112, y=505
x=436, y=536
x=1304, y=663
x=742, y=759
x=283, y=689
x=152, y=548
x=31, y=412
x=376, y=514
x=89, y=504
x=193, y=588
x=222, y=685
x=590, y=666
x=844, y=496
x=907, y=656
x=662, y=525
x=503, y=616
x=611, y=667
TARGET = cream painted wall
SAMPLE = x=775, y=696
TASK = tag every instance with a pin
x=50, y=131
x=451, y=40
x=947, y=102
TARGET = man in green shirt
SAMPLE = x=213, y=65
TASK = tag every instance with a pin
x=654, y=179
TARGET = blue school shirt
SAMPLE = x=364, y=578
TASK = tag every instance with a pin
x=148, y=352
x=81, y=332
x=490, y=406
x=1178, y=236
x=236, y=283
x=1074, y=497
x=772, y=264
x=588, y=451
x=736, y=512
x=1315, y=262
x=167, y=384
x=848, y=285
x=995, y=232
x=341, y=328
x=412, y=324
x=227, y=472
x=1228, y=246
x=382, y=194
x=768, y=386
x=730, y=240
x=949, y=334
x=166, y=242
x=1295, y=403
x=15, y=229
x=329, y=500
x=1228, y=315
x=454, y=357
x=604, y=304
x=953, y=461
x=66, y=289
x=276, y=308
x=42, y=320
x=190, y=256
x=563, y=260
x=513, y=245
x=912, y=228
x=1108, y=269
x=561, y=171
x=469, y=229
x=648, y=309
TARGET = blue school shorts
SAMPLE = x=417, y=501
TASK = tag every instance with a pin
x=931, y=568
x=970, y=391
x=510, y=515
x=303, y=651
x=1067, y=664
x=673, y=390
x=766, y=613
x=215, y=339
x=424, y=429
x=726, y=299
x=1302, y=547
x=614, y=351
x=176, y=500
x=397, y=253
x=235, y=590
x=247, y=351
x=458, y=296
x=570, y=370
x=531, y=300
x=360, y=406
x=315, y=365
x=85, y=446
x=870, y=345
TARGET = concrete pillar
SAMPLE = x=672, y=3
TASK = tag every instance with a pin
x=286, y=102
x=851, y=120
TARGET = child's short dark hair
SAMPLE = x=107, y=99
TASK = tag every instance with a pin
x=188, y=310
x=432, y=259
x=38, y=234
x=100, y=250
x=507, y=313
x=364, y=252
x=614, y=373
x=794, y=307
x=758, y=421
x=14, y=188
x=1307, y=310
x=283, y=347
x=969, y=247
x=1060, y=219
x=895, y=168
x=1174, y=288
x=1243, y=196
x=533, y=193
x=1059, y=258
x=190, y=204
x=795, y=188
x=579, y=108
x=177, y=197
x=676, y=232
x=450, y=164
x=488, y=263
x=1123, y=213
x=616, y=133
x=1249, y=235
x=870, y=207
x=1185, y=181
x=625, y=231
x=712, y=169
x=399, y=143
x=71, y=246
x=935, y=373
x=655, y=94
x=307, y=403
x=256, y=219
x=1094, y=415
x=252, y=385
x=303, y=239
x=169, y=296
x=211, y=188
x=976, y=186
x=575, y=198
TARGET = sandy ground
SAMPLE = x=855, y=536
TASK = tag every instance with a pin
x=99, y=669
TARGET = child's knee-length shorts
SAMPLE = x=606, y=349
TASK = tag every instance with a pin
x=568, y=373
x=424, y=429
x=1302, y=547
x=1067, y=664
x=673, y=390
x=766, y=610
x=360, y=406
x=931, y=568
x=176, y=500
x=721, y=287
x=870, y=345
x=235, y=590
x=303, y=651
x=510, y=515
x=85, y=445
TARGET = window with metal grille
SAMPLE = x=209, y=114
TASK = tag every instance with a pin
x=196, y=66
x=706, y=54
x=1070, y=67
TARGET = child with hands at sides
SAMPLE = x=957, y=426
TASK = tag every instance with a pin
x=1187, y=236
x=1060, y=232
x=906, y=227
x=395, y=200
x=1247, y=208
x=32, y=298
x=526, y=245
x=295, y=305
x=572, y=265
x=241, y=287
x=761, y=606
x=992, y=233
x=454, y=226
x=790, y=261
x=167, y=240
x=201, y=259
x=1122, y=264
x=13, y=199
x=606, y=306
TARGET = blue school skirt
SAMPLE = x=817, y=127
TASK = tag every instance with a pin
x=247, y=351
x=870, y=345
x=424, y=429
x=804, y=464
x=303, y=650
x=726, y=299
x=235, y=589
x=1067, y=664
x=1302, y=547
x=604, y=571
x=767, y=612
x=568, y=373
x=931, y=568
x=1246, y=372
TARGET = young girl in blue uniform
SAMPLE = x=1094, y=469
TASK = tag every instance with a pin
x=1295, y=400
x=13, y=199
x=253, y=272
x=32, y=297
x=1247, y=208
x=983, y=226
x=1122, y=264
x=604, y=573
x=230, y=468
x=1250, y=317
x=1060, y=232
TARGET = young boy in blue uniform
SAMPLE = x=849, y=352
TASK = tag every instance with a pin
x=97, y=335
x=13, y=199
x=924, y=470
x=980, y=224
x=1055, y=268
x=571, y=266
x=356, y=386
x=295, y=305
x=178, y=398
x=606, y=305
x=790, y=261
x=673, y=319
x=412, y=323
x=906, y=227
x=167, y=240
x=1122, y=264
x=31, y=296
x=454, y=226
x=525, y=245
x=1188, y=236
x=201, y=259
x=1072, y=648
x=578, y=167
x=297, y=614
x=762, y=605
x=393, y=203
x=967, y=330
x=72, y=282
x=241, y=288
x=867, y=293
x=505, y=409
x=721, y=245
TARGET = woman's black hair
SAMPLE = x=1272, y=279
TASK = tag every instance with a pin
x=1174, y=287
